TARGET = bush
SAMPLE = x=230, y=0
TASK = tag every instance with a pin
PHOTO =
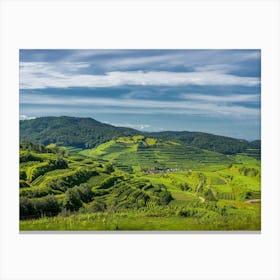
x=22, y=175
x=35, y=192
x=164, y=197
x=185, y=187
x=85, y=192
x=35, y=208
x=184, y=213
x=98, y=206
x=24, y=157
x=48, y=206
x=209, y=195
x=109, y=182
x=72, y=200
x=27, y=209
x=59, y=163
x=23, y=184
x=70, y=181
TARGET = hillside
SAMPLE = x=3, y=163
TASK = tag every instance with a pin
x=66, y=189
x=147, y=153
x=88, y=133
x=80, y=174
x=211, y=142
x=70, y=131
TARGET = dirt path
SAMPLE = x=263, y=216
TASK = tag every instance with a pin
x=253, y=200
x=202, y=199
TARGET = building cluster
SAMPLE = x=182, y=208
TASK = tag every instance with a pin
x=161, y=170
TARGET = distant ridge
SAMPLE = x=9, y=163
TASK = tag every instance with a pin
x=88, y=133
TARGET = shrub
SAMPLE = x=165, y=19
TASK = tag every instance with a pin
x=185, y=187
x=48, y=206
x=85, y=192
x=22, y=175
x=109, y=182
x=70, y=181
x=72, y=200
x=24, y=157
x=23, y=184
x=98, y=206
x=209, y=195
x=36, y=192
x=164, y=197
x=184, y=213
x=27, y=209
x=37, y=207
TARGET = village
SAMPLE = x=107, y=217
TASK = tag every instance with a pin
x=161, y=170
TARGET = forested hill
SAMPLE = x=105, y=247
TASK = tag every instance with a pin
x=88, y=133
x=216, y=143
x=70, y=131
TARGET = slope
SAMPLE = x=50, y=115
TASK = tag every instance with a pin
x=88, y=133
x=141, y=152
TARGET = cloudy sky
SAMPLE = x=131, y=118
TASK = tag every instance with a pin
x=216, y=91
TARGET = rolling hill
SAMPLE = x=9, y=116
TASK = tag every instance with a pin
x=80, y=174
x=133, y=152
x=90, y=189
x=88, y=133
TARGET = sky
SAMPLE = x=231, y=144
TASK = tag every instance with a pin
x=215, y=91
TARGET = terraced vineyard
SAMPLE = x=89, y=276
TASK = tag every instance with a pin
x=151, y=153
x=137, y=183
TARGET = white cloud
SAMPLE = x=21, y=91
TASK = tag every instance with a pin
x=148, y=106
x=166, y=59
x=221, y=99
x=219, y=68
x=42, y=75
x=135, y=126
x=25, y=117
x=185, y=58
x=78, y=55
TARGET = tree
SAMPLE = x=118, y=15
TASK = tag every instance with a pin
x=26, y=208
x=50, y=206
x=98, y=206
x=85, y=192
x=72, y=200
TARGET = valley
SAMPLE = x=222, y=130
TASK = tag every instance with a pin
x=130, y=180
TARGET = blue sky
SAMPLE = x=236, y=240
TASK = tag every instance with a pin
x=216, y=91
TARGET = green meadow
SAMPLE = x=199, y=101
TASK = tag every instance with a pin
x=138, y=183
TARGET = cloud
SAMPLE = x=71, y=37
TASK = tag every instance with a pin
x=219, y=68
x=144, y=60
x=142, y=106
x=129, y=59
x=25, y=117
x=45, y=75
x=78, y=55
x=135, y=126
x=221, y=98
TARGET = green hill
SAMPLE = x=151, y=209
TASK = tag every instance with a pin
x=80, y=174
x=141, y=152
x=70, y=131
x=88, y=133
x=137, y=183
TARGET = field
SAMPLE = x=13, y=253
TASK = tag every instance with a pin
x=137, y=183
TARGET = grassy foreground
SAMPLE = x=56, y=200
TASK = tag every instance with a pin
x=170, y=218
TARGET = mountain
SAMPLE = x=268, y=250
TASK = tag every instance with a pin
x=70, y=131
x=88, y=133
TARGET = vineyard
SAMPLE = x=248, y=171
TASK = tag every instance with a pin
x=137, y=183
